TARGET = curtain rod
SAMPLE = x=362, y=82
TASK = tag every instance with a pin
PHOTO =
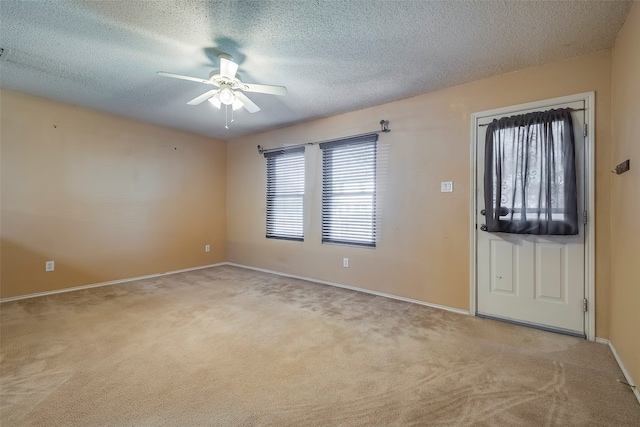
x=384, y=124
x=572, y=109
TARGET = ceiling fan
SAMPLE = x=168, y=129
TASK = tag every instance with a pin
x=229, y=89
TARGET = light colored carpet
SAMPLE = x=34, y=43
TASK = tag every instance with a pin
x=233, y=347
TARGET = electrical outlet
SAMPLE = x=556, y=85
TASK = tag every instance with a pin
x=49, y=265
x=207, y=248
x=446, y=187
x=345, y=262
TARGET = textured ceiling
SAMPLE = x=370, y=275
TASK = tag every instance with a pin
x=333, y=56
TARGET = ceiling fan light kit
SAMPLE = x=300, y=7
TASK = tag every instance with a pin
x=227, y=96
x=230, y=92
x=215, y=101
x=237, y=104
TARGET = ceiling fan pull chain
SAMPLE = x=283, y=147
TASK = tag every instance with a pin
x=231, y=114
x=226, y=113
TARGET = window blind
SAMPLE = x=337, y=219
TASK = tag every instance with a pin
x=349, y=191
x=285, y=194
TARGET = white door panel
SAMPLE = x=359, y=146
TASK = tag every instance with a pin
x=526, y=278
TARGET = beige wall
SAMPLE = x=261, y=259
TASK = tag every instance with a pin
x=423, y=247
x=109, y=198
x=104, y=197
x=625, y=199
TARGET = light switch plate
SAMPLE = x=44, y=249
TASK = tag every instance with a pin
x=446, y=187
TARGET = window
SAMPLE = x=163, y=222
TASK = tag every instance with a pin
x=285, y=194
x=530, y=174
x=349, y=191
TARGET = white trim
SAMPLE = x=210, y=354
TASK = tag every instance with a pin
x=473, y=265
x=324, y=282
x=353, y=288
x=111, y=282
x=590, y=292
x=590, y=235
x=634, y=388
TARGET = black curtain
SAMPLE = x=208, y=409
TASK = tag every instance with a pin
x=530, y=174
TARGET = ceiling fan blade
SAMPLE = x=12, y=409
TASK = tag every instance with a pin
x=228, y=68
x=248, y=104
x=271, y=90
x=181, y=77
x=203, y=97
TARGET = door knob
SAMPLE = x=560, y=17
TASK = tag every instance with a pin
x=483, y=227
x=483, y=212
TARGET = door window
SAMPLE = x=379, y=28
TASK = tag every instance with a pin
x=530, y=174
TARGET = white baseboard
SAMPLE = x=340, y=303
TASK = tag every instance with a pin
x=353, y=288
x=627, y=377
x=111, y=282
x=324, y=282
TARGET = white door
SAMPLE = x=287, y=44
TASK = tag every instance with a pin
x=530, y=279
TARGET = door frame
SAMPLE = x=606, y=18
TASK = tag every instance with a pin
x=589, y=240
